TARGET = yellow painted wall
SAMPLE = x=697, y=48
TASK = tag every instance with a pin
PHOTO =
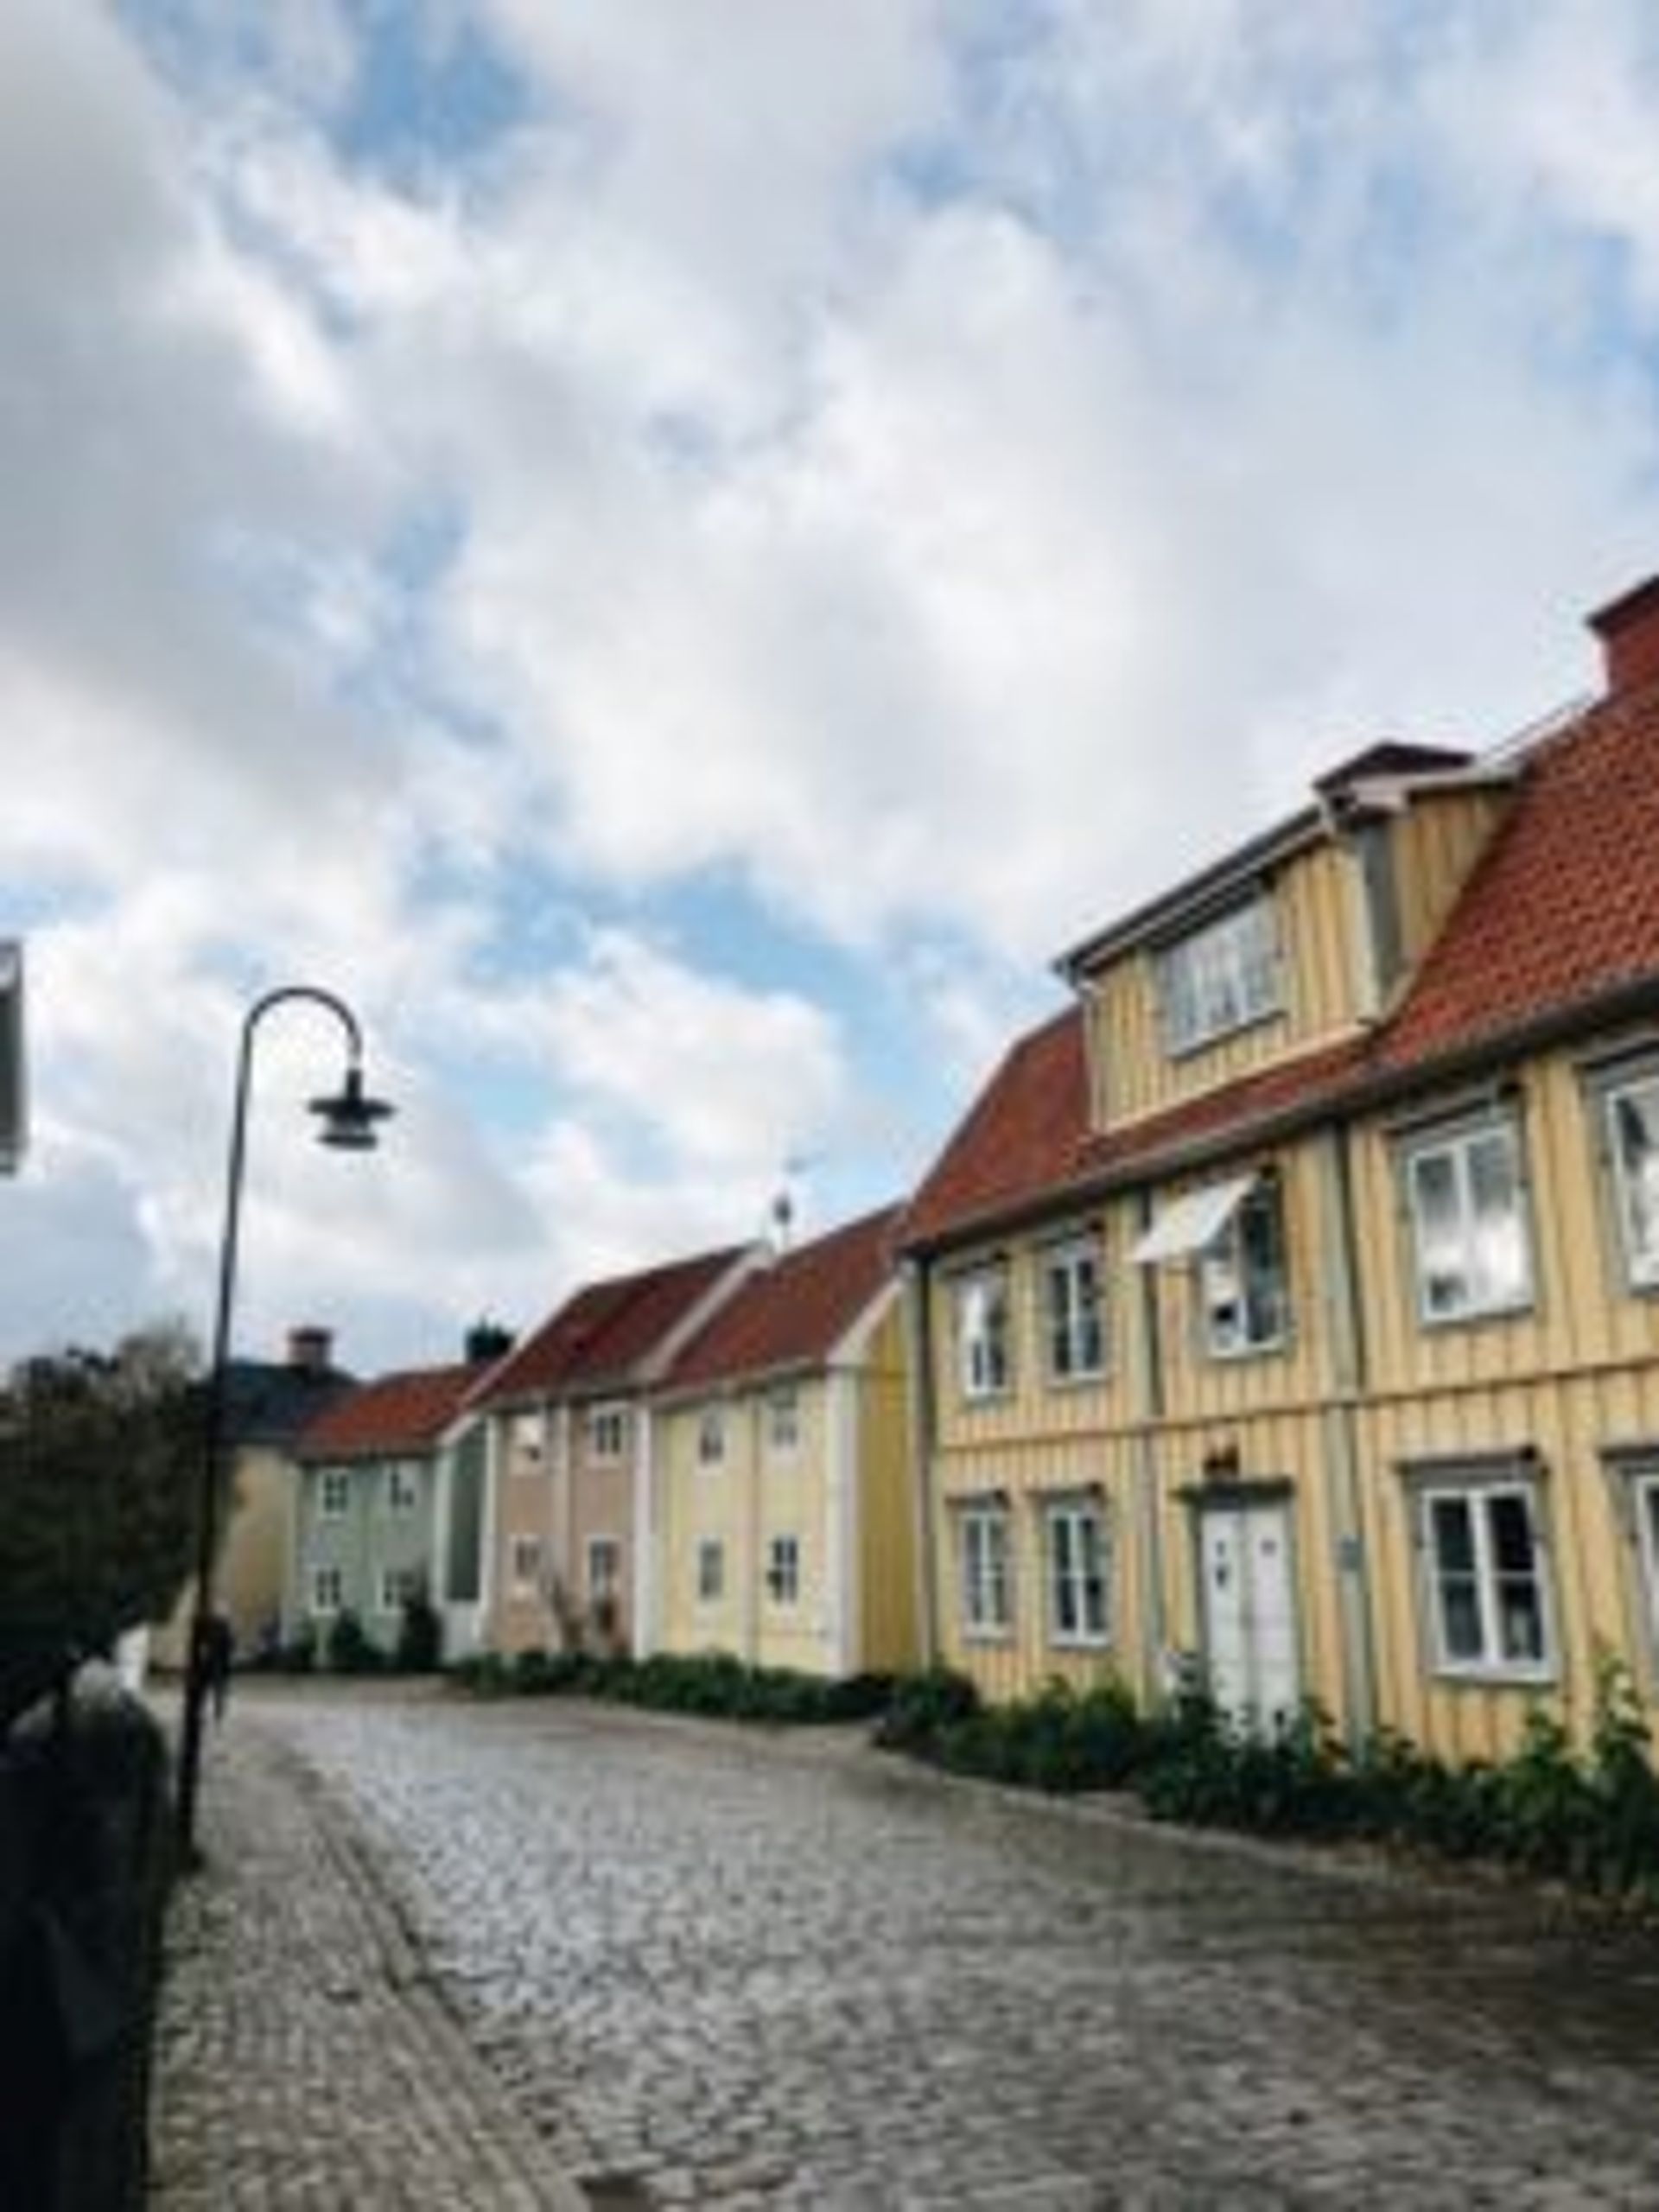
x=1434, y=844
x=886, y=1638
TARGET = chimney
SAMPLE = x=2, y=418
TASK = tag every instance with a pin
x=485, y=1341
x=1629, y=631
x=310, y=1349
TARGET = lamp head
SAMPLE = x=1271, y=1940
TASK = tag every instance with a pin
x=349, y=1116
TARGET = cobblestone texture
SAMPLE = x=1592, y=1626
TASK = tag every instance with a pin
x=719, y=1970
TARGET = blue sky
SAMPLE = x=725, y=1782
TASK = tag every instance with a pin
x=677, y=551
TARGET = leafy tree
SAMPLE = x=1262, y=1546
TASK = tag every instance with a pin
x=99, y=1464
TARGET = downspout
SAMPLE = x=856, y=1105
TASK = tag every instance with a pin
x=922, y=1426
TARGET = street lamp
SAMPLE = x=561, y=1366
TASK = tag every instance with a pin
x=348, y=1118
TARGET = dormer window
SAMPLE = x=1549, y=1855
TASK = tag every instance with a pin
x=1220, y=977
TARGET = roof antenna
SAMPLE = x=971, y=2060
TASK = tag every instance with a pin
x=782, y=1210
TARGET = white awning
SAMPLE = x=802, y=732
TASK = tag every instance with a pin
x=1189, y=1223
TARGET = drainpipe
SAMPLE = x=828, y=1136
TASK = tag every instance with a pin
x=1340, y=1273
x=923, y=1425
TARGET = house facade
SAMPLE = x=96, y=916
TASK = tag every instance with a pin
x=378, y=1523
x=783, y=1513
x=570, y=1446
x=1285, y=1306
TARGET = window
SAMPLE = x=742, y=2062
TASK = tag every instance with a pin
x=1077, y=1572
x=524, y=1565
x=400, y=1586
x=987, y=1608
x=784, y=1570
x=1487, y=1600
x=334, y=1497
x=1632, y=1111
x=711, y=1437
x=784, y=1422
x=526, y=1435
x=604, y=1569
x=1468, y=1219
x=982, y=1350
x=1220, y=978
x=327, y=1589
x=607, y=1432
x=403, y=1488
x=711, y=1571
x=1073, y=1311
x=1243, y=1289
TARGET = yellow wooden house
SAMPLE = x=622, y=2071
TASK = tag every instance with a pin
x=1288, y=1305
x=783, y=1516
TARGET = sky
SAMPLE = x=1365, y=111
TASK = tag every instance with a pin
x=673, y=554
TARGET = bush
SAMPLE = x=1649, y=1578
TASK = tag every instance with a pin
x=420, y=1636
x=348, y=1650
x=712, y=1683
x=922, y=1706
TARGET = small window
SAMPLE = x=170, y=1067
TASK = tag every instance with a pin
x=334, y=1493
x=526, y=1435
x=400, y=1586
x=1632, y=1111
x=711, y=1571
x=1077, y=1573
x=784, y=1570
x=524, y=1565
x=1219, y=978
x=987, y=1597
x=604, y=1569
x=327, y=1589
x=984, y=1362
x=1468, y=1214
x=1074, y=1325
x=403, y=1488
x=607, y=1432
x=1243, y=1287
x=1488, y=1602
x=783, y=1423
x=711, y=1437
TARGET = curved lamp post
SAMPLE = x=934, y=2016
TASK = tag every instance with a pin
x=348, y=1118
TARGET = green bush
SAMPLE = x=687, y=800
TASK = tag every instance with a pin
x=922, y=1706
x=712, y=1683
x=420, y=1637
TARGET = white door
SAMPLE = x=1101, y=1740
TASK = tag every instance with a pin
x=1249, y=1611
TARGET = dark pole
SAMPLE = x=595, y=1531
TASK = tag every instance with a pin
x=195, y=1680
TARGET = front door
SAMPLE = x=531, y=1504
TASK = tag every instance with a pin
x=1250, y=1609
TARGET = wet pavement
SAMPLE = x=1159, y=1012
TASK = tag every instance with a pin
x=696, y=1967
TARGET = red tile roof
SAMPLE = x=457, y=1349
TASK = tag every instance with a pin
x=604, y=1333
x=404, y=1412
x=1559, y=916
x=793, y=1314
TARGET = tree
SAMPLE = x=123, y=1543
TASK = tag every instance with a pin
x=99, y=1457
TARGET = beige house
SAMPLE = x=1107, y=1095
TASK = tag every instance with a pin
x=782, y=1519
x=569, y=1445
x=268, y=1404
x=1289, y=1304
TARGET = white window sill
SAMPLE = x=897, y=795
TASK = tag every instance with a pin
x=1495, y=1674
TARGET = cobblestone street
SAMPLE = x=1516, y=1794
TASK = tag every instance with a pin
x=696, y=1967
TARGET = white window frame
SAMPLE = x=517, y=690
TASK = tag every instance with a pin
x=1476, y=1495
x=608, y=1434
x=403, y=1487
x=524, y=1565
x=328, y=1590
x=984, y=1331
x=1641, y=1267
x=711, y=1588
x=334, y=1493
x=711, y=1436
x=783, y=1423
x=397, y=1585
x=784, y=1572
x=985, y=1549
x=1224, y=1278
x=1221, y=977
x=1068, y=1310
x=1458, y=1144
x=607, y=1585
x=1071, y=1577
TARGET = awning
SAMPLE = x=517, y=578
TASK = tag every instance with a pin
x=1189, y=1223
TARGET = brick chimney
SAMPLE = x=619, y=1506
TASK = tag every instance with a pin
x=1629, y=631
x=310, y=1350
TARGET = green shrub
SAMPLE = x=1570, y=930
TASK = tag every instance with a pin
x=922, y=1706
x=348, y=1647
x=420, y=1636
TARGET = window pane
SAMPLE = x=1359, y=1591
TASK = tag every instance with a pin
x=1499, y=1241
x=1510, y=1527
x=1454, y=1536
x=1460, y=1634
x=1438, y=1206
x=1636, y=1139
